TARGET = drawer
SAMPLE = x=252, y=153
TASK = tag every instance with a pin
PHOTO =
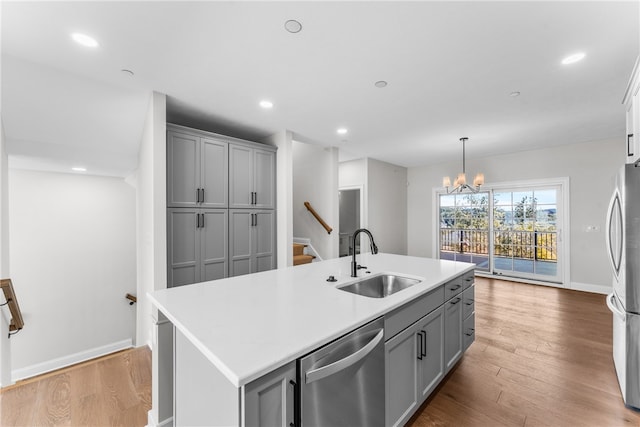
x=405, y=316
x=468, y=331
x=468, y=279
x=468, y=297
x=453, y=288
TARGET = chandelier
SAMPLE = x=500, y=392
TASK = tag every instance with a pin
x=460, y=184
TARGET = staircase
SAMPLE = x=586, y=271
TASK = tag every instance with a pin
x=299, y=257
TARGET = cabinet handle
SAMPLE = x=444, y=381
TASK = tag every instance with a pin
x=419, y=336
x=456, y=287
x=197, y=195
x=456, y=301
x=424, y=342
x=468, y=279
x=295, y=402
x=202, y=197
x=470, y=333
x=469, y=303
x=202, y=220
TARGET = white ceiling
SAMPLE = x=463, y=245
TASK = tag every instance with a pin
x=451, y=67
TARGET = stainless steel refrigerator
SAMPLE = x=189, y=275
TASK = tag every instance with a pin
x=623, y=246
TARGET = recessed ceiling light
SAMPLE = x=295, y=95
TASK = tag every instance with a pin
x=78, y=169
x=342, y=131
x=514, y=94
x=84, y=40
x=573, y=58
x=293, y=26
x=266, y=104
x=380, y=83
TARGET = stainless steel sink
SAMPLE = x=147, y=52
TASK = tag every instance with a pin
x=380, y=286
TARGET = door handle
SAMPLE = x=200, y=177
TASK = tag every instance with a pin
x=344, y=363
x=419, y=337
x=202, y=197
x=197, y=195
x=202, y=220
x=197, y=220
x=424, y=343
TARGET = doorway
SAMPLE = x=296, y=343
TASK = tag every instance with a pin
x=350, y=206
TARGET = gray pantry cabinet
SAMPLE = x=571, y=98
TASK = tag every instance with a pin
x=197, y=170
x=251, y=177
x=198, y=249
x=252, y=242
x=205, y=239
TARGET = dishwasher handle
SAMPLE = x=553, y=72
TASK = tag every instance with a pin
x=339, y=365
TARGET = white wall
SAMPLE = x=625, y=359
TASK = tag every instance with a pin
x=151, y=219
x=384, y=202
x=72, y=262
x=315, y=172
x=5, y=317
x=284, y=193
x=591, y=168
x=387, y=206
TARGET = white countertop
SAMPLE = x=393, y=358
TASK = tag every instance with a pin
x=250, y=325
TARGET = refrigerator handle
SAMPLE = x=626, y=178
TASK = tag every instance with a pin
x=613, y=306
x=613, y=259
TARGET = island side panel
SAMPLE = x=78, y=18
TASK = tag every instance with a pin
x=203, y=395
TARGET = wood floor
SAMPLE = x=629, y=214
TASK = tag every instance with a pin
x=111, y=391
x=542, y=356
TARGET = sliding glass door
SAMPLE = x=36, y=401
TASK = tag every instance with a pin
x=464, y=228
x=506, y=231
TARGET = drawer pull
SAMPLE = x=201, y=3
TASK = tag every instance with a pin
x=456, y=301
x=468, y=279
x=456, y=287
x=469, y=303
x=470, y=333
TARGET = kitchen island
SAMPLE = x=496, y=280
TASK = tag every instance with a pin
x=232, y=332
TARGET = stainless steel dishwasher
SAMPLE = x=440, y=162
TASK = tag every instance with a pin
x=342, y=383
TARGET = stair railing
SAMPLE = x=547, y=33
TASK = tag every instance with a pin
x=318, y=217
x=17, y=322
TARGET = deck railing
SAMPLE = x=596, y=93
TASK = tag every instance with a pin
x=536, y=245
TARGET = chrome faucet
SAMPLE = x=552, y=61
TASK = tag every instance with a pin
x=374, y=250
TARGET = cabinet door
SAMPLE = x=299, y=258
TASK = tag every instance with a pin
x=183, y=247
x=401, y=376
x=183, y=169
x=240, y=176
x=431, y=367
x=452, y=331
x=240, y=241
x=265, y=179
x=214, y=179
x=264, y=241
x=213, y=244
x=269, y=400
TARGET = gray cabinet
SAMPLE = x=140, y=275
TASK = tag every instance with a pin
x=452, y=331
x=468, y=316
x=413, y=366
x=252, y=242
x=197, y=170
x=197, y=242
x=269, y=400
x=252, y=177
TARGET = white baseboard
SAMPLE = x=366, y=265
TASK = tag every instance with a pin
x=151, y=422
x=588, y=287
x=61, y=362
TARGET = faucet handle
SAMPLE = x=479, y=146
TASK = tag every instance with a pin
x=360, y=267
